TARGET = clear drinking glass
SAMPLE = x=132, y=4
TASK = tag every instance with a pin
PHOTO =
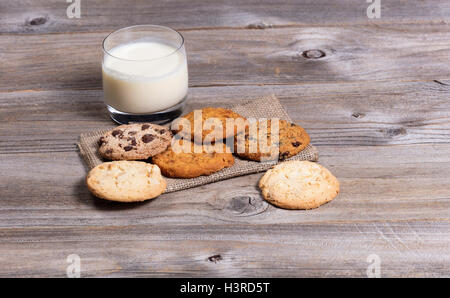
x=145, y=74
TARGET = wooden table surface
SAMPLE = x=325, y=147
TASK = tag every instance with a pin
x=372, y=93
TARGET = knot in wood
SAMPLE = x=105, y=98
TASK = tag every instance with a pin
x=37, y=21
x=313, y=54
x=358, y=115
x=246, y=204
x=215, y=258
x=392, y=132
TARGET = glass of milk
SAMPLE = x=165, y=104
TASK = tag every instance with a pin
x=145, y=74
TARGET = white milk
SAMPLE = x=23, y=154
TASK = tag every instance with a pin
x=144, y=77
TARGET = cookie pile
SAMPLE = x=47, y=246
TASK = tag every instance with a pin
x=141, y=154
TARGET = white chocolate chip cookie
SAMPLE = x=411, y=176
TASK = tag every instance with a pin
x=299, y=185
x=126, y=181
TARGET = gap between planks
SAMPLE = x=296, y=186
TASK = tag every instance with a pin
x=249, y=27
x=439, y=81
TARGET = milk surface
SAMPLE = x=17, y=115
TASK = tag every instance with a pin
x=144, y=77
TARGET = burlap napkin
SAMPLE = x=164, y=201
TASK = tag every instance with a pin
x=265, y=107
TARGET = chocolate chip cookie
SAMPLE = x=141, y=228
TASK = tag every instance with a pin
x=176, y=163
x=134, y=141
x=213, y=129
x=291, y=139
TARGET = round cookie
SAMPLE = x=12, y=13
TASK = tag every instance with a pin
x=299, y=185
x=126, y=181
x=292, y=139
x=179, y=164
x=134, y=141
x=211, y=135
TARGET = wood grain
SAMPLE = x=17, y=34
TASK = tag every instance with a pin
x=335, y=114
x=373, y=94
x=43, y=16
x=330, y=250
x=241, y=57
x=377, y=183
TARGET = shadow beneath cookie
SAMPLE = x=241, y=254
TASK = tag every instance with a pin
x=86, y=198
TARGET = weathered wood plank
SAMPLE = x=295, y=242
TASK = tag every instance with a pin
x=380, y=113
x=415, y=249
x=42, y=16
x=243, y=57
x=377, y=183
x=382, y=83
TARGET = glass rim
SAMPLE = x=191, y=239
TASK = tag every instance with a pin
x=137, y=26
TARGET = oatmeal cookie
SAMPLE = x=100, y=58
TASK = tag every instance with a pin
x=210, y=130
x=196, y=162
